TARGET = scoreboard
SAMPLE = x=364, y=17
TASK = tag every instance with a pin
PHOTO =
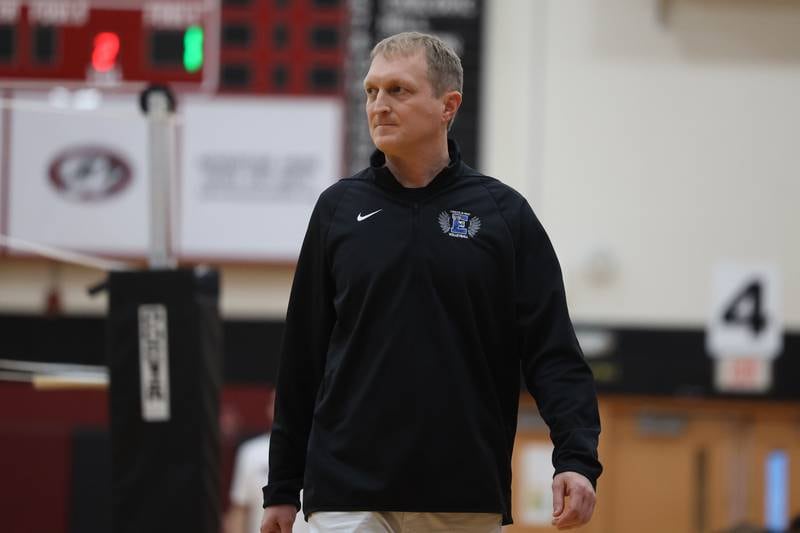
x=286, y=47
x=108, y=43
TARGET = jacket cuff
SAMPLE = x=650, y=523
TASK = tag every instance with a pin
x=589, y=473
x=280, y=496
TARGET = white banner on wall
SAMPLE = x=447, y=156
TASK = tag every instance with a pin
x=77, y=176
x=252, y=169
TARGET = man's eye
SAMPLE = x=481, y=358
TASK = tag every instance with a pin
x=396, y=90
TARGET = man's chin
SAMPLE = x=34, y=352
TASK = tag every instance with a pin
x=386, y=144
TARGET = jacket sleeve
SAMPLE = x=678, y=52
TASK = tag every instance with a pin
x=553, y=366
x=309, y=321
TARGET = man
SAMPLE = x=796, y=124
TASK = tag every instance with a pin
x=420, y=288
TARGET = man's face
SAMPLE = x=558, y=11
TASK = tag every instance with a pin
x=402, y=109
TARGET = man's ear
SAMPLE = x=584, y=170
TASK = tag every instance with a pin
x=452, y=101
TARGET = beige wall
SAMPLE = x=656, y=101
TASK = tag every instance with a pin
x=248, y=291
x=656, y=136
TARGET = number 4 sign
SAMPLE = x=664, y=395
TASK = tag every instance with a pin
x=745, y=313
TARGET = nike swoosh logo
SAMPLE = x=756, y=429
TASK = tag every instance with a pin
x=360, y=218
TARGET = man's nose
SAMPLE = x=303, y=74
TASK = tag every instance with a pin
x=381, y=103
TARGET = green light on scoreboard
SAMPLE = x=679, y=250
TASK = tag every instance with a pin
x=193, y=49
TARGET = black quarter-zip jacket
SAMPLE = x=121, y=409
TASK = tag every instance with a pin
x=411, y=313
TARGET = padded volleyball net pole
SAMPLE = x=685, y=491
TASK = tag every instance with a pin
x=165, y=369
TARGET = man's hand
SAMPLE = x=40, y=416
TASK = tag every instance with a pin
x=580, y=496
x=278, y=519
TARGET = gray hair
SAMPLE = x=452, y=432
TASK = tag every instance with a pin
x=445, y=72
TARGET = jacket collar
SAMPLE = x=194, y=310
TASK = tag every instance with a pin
x=385, y=179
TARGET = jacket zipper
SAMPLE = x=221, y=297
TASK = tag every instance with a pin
x=415, y=248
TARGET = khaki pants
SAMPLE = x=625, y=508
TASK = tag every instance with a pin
x=391, y=522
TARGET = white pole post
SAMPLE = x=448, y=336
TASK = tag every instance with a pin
x=161, y=157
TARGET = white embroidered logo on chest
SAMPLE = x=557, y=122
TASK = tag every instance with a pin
x=459, y=224
x=361, y=217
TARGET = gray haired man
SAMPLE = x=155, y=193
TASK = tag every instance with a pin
x=422, y=287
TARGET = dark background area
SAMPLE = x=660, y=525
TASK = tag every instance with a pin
x=56, y=458
x=667, y=361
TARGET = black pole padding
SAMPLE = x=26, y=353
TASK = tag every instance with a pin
x=164, y=342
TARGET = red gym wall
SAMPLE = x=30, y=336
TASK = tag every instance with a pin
x=36, y=429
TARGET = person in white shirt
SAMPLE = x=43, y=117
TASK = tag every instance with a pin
x=250, y=472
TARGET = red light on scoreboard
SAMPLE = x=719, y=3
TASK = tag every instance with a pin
x=106, y=49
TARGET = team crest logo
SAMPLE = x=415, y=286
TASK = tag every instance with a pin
x=89, y=173
x=459, y=224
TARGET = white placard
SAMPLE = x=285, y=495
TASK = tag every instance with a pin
x=745, y=319
x=535, y=500
x=77, y=178
x=154, y=362
x=252, y=169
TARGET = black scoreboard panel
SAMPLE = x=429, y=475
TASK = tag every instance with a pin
x=7, y=43
x=459, y=22
x=291, y=47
